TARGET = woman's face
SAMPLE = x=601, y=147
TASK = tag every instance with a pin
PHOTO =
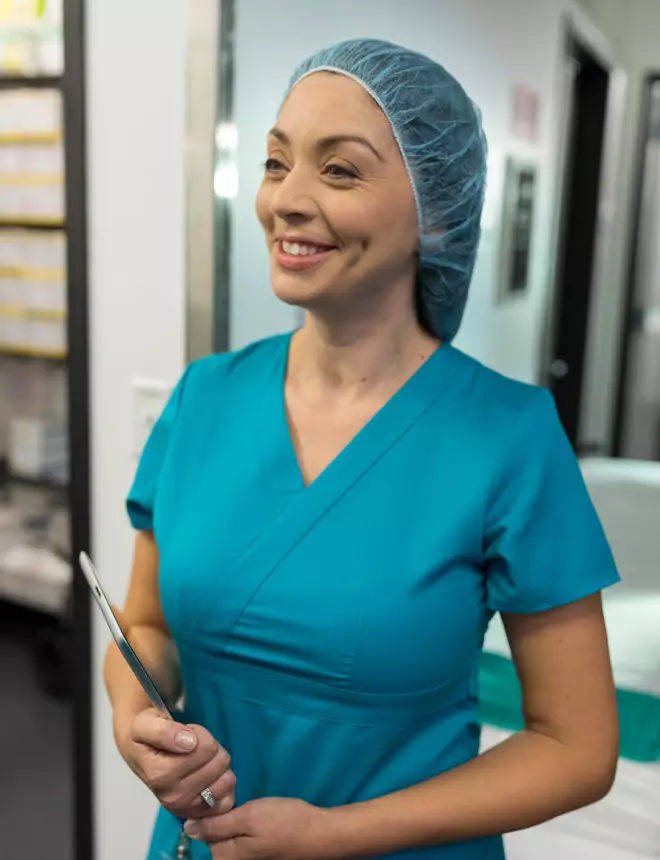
x=336, y=203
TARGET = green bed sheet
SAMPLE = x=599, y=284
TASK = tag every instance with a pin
x=501, y=706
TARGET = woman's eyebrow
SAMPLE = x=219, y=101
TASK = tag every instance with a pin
x=328, y=142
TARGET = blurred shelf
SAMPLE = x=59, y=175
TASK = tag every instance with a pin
x=35, y=483
x=55, y=178
x=29, y=223
x=36, y=354
x=12, y=479
x=32, y=588
x=33, y=593
x=29, y=138
x=8, y=82
x=34, y=273
x=25, y=312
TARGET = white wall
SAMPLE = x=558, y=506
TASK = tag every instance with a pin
x=490, y=48
x=135, y=124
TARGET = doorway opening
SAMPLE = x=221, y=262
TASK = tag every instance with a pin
x=588, y=86
x=637, y=428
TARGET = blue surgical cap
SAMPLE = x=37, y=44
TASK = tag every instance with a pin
x=439, y=133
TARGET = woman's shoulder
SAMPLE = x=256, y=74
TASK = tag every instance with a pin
x=499, y=399
x=240, y=366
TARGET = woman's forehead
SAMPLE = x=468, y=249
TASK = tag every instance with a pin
x=327, y=103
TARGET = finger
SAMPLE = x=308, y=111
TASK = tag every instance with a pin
x=152, y=729
x=233, y=849
x=206, y=743
x=224, y=792
x=215, y=776
x=219, y=828
x=178, y=787
x=206, y=763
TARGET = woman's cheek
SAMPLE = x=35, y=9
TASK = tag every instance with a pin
x=262, y=207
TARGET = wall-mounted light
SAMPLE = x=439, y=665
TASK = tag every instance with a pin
x=225, y=181
x=226, y=136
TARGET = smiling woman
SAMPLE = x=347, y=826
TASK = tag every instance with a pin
x=328, y=520
x=335, y=183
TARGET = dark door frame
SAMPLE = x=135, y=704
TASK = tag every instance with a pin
x=633, y=253
x=73, y=86
x=576, y=243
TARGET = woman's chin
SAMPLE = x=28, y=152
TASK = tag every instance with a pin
x=298, y=294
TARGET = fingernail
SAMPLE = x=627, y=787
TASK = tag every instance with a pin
x=191, y=829
x=186, y=740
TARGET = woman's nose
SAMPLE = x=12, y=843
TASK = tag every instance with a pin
x=293, y=199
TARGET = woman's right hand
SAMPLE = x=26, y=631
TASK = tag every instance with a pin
x=177, y=762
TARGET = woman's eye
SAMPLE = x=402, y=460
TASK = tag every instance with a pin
x=338, y=171
x=272, y=165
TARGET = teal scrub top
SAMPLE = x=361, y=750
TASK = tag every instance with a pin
x=330, y=634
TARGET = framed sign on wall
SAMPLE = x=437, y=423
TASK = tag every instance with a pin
x=520, y=184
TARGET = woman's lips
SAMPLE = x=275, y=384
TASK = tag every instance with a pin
x=296, y=262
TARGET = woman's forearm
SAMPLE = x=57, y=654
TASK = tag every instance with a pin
x=528, y=779
x=158, y=654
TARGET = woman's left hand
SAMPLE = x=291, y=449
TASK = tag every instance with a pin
x=273, y=828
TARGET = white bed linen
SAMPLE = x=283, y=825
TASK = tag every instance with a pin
x=626, y=495
x=625, y=824
x=632, y=617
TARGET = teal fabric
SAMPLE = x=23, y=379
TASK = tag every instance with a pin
x=330, y=635
x=500, y=705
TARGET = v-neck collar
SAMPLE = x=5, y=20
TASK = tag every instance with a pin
x=279, y=459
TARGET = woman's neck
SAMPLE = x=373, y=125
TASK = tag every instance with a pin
x=358, y=356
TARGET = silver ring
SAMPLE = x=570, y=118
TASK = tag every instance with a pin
x=207, y=797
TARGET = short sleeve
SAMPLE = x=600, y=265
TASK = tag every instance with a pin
x=141, y=499
x=544, y=543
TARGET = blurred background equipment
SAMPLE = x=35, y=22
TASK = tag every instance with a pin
x=31, y=37
x=35, y=568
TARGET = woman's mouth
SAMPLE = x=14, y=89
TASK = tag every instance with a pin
x=300, y=255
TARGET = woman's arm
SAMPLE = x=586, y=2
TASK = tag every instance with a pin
x=565, y=757
x=146, y=628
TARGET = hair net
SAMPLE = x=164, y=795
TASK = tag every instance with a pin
x=438, y=130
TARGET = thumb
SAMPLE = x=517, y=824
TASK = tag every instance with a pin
x=227, y=826
x=153, y=730
x=185, y=739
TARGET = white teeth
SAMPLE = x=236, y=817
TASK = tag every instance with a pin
x=297, y=250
